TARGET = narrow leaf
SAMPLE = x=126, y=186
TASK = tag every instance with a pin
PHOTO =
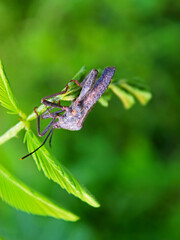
x=20, y=196
x=56, y=171
x=80, y=73
x=103, y=101
x=126, y=98
x=7, y=99
x=142, y=95
x=105, y=98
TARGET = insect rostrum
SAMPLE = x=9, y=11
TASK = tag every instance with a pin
x=73, y=117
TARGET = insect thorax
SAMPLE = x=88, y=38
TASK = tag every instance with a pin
x=71, y=119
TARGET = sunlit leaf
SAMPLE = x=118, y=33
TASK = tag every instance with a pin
x=103, y=101
x=142, y=95
x=126, y=98
x=7, y=99
x=20, y=196
x=105, y=98
x=56, y=171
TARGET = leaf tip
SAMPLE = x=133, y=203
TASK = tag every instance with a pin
x=75, y=218
x=97, y=205
x=91, y=200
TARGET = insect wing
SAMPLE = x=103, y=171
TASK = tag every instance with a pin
x=100, y=87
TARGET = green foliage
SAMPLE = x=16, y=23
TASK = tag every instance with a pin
x=7, y=99
x=142, y=94
x=126, y=98
x=44, y=160
x=126, y=91
x=18, y=195
x=56, y=171
x=130, y=159
x=104, y=100
x=10, y=187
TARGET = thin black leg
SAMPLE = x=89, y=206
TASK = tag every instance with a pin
x=43, y=115
x=52, y=104
x=51, y=115
x=38, y=125
x=50, y=139
x=55, y=94
x=50, y=133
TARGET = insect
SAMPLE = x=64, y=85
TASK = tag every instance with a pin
x=73, y=117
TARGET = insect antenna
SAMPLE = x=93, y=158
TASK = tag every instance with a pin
x=50, y=133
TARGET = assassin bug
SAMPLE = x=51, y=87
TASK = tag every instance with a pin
x=74, y=115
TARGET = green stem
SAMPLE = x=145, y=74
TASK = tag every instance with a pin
x=12, y=132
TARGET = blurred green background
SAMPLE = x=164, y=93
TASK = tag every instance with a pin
x=128, y=159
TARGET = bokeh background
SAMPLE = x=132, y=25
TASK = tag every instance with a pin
x=130, y=160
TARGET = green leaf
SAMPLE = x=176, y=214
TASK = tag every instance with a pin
x=56, y=171
x=141, y=94
x=105, y=98
x=7, y=99
x=103, y=101
x=80, y=73
x=126, y=98
x=73, y=90
x=18, y=195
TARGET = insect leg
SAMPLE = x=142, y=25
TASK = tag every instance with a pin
x=50, y=133
x=75, y=81
x=50, y=139
x=55, y=94
x=52, y=104
x=38, y=124
x=51, y=115
x=43, y=115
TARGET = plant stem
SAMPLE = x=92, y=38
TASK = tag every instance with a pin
x=12, y=132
